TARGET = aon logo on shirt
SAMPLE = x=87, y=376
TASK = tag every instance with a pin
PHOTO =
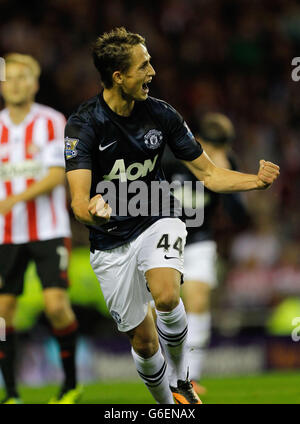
x=133, y=172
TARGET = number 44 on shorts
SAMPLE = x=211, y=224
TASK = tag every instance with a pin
x=164, y=244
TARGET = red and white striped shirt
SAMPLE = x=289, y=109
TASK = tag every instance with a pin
x=27, y=151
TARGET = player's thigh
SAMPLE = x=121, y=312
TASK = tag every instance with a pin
x=123, y=285
x=13, y=263
x=52, y=259
x=161, y=259
x=196, y=296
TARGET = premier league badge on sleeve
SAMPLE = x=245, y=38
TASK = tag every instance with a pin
x=153, y=139
x=70, y=147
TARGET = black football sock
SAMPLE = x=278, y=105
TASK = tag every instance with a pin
x=66, y=338
x=7, y=362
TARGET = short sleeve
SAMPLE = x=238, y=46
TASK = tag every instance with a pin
x=79, y=142
x=180, y=138
x=53, y=152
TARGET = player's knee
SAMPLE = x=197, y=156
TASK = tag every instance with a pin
x=166, y=302
x=56, y=311
x=146, y=348
x=145, y=342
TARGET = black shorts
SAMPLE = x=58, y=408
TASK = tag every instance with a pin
x=51, y=258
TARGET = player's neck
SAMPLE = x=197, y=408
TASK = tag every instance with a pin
x=117, y=103
x=18, y=113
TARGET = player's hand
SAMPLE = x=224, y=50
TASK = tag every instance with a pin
x=6, y=205
x=267, y=174
x=99, y=210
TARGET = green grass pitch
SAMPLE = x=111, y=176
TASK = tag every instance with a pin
x=268, y=388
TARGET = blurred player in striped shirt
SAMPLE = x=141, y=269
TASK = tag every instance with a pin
x=34, y=222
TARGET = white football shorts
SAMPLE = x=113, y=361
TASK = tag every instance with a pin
x=200, y=262
x=121, y=271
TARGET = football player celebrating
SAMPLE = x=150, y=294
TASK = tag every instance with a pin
x=34, y=222
x=119, y=137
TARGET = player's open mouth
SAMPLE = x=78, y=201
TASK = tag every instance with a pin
x=145, y=87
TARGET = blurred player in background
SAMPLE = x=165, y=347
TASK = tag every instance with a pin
x=118, y=137
x=215, y=133
x=34, y=222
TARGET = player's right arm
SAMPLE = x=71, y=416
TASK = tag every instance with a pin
x=88, y=211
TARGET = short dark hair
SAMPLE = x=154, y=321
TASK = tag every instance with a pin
x=111, y=52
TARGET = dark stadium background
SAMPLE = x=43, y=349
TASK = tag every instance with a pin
x=231, y=56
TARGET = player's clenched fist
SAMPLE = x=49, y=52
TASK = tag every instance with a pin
x=99, y=210
x=267, y=174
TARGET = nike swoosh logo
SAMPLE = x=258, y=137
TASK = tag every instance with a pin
x=170, y=257
x=101, y=148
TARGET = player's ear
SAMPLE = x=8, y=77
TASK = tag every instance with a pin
x=117, y=77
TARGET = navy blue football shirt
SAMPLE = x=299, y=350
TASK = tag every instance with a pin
x=123, y=150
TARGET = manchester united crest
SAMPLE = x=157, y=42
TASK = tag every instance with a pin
x=153, y=139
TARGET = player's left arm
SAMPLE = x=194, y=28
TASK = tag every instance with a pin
x=54, y=177
x=223, y=180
